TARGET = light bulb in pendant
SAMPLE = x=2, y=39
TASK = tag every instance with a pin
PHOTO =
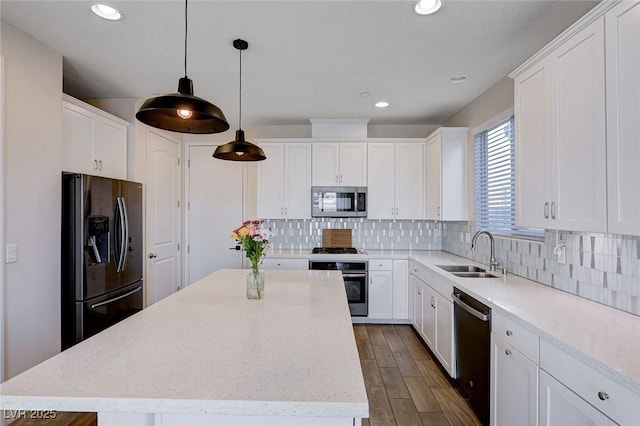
x=185, y=113
x=239, y=153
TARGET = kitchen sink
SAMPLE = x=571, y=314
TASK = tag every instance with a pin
x=461, y=268
x=476, y=274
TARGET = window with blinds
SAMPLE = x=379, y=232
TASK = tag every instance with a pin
x=495, y=182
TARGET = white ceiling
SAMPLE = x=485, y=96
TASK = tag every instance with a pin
x=306, y=59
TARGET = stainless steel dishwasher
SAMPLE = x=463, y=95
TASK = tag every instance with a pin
x=472, y=331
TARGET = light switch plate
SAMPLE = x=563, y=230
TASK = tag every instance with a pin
x=11, y=254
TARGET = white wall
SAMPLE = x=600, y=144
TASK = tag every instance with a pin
x=495, y=100
x=32, y=165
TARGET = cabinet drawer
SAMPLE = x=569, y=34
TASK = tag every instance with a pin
x=380, y=264
x=285, y=264
x=517, y=336
x=612, y=399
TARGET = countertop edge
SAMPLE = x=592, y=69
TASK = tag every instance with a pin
x=180, y=406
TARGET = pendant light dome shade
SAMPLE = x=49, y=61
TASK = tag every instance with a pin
x=182, y=111
x=239, y=149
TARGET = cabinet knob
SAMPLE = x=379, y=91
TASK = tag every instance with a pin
x=603, y=396
x=507, y=352
x=152, y=255
x=509, y=333
x=546, y=210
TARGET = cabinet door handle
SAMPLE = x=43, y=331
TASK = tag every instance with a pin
x=509, y=333
x=433, y=303
x=603, y=396
x=507, y=352
x=286, y=211
x=553, y=210
x=337, y=179
x=100, y=163
x=419, y=291
x=340, y=178
x=546, y=210
x=95, y=164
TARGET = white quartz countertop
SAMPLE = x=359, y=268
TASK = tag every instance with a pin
x=209, y=350
x=603, y=337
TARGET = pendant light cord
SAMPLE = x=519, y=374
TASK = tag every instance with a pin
x=240, y=91
x=185, y=37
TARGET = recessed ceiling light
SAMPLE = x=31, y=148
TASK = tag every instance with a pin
x=382, y=104
x=457, y=79
x=364, y=94
x=106, y=12
x=427, y=7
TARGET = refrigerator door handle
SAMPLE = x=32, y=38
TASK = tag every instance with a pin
x=121, y=233
x=125, y=240
x=122, y=296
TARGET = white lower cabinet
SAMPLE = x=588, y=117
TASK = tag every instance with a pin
x=429, y=315
x=514, y=386
x=574, y=393
x=388, y=289
x=417, y=296
x=444, y=334
x=559, y=406
x=380, y=294
x=400, y=289
x=432, y=314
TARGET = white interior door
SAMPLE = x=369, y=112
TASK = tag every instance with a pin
x=214, y=196
x=163, y=216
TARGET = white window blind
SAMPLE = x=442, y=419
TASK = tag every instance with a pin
x=495, y=182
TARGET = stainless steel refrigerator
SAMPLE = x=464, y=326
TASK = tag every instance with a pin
x=102, y=259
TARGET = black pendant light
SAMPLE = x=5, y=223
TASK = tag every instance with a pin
x=183, y=112
x=239, y=149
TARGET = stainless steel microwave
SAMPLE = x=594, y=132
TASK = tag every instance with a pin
x=338, y=201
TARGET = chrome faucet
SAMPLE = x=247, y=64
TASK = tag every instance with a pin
x=492, y=260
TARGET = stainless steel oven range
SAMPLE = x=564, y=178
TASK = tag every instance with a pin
x=354, y=274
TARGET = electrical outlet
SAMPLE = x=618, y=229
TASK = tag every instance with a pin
x=11, y=254
x=562, y=255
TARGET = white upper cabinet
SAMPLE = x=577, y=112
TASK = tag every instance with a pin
x=396, y=184
x=284, y=181
x=560, y=136
x=623, y=117
x=339, y=164
x=93, y=141
x=447, y=174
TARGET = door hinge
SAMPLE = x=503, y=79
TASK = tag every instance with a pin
x=188, y=248
x=178, y=246
x=188, y=163
x=178, y=203
x=178, y=161
x=188, y=205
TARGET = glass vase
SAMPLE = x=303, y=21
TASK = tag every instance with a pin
x=255, y=285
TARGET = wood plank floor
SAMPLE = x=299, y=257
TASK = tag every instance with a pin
x=405, y=385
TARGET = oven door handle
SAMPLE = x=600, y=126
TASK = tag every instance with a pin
x=354, y=275
x=469, y=309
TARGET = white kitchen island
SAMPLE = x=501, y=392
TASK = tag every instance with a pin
x=208, y=356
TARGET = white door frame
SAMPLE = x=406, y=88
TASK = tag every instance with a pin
x=186, y=197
